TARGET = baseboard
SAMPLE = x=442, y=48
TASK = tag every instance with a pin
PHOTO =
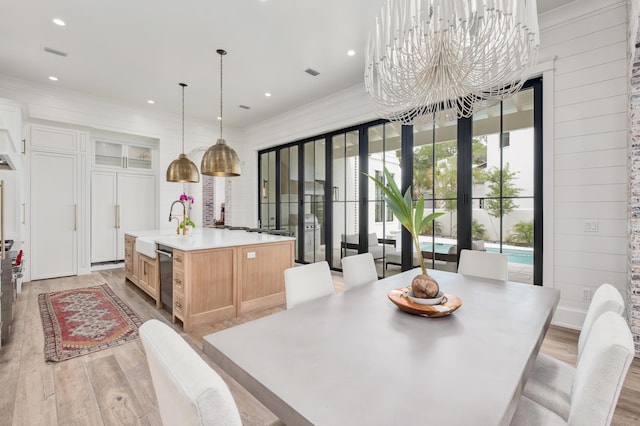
x=569, y=317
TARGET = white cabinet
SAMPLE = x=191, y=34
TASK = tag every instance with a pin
x=57, y=202
x=54, y=214
x=14, y=214
x=109, y=153
x=119, y=202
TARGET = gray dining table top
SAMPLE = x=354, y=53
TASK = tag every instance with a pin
x=355, y=359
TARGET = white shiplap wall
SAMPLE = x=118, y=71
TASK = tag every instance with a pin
x=589, y=42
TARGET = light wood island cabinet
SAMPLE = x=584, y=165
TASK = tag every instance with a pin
x=130, y=259
x=148, y=276
x=216, y=284
x=217, y=274
x=141, y=270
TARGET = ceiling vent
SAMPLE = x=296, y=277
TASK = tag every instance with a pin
x=311, y=71
x=55, y=52
x=244, y=107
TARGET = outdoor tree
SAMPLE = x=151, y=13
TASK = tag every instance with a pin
x=435, y=172
x=499, y=201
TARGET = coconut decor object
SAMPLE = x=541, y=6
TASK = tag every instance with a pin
x=414, y=220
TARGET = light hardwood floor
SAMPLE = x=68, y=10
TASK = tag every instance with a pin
x=113, y=387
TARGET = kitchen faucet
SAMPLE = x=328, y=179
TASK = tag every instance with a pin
x=184, y=215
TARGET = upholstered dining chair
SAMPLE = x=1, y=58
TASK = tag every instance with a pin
x=549, y=383
x=189, y=392
x=358, y=270
x=598, y=381
x=307, y=282
x=484, y=264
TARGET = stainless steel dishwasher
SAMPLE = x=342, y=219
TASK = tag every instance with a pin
x=165, y=257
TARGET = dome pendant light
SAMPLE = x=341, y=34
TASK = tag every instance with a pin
x=220, y=159
x=182, y=170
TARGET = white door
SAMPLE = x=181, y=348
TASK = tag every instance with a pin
x=137, y=203
x=104, y=216
x=54, y=215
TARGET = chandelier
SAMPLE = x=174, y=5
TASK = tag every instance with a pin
x=445, y=58
x=220, y=159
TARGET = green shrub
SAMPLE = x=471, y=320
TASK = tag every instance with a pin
x=522, y=234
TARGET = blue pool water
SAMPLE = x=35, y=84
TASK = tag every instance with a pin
x=523, y=257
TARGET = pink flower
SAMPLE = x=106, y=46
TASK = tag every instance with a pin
x=185, y=197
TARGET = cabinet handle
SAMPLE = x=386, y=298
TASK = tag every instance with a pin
x=178, y=281
x=75, y=217
x=178, y=305
x=24, y=213
x=117, y=216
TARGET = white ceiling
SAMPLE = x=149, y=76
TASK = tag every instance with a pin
x=134, y=50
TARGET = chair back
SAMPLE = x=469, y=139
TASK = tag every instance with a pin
x=307, y=282
x=358, y=270
x=606, y=298
x=189, y=392
x=484, y=264
x=601, y=372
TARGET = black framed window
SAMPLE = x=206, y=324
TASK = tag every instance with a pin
x=484, y=172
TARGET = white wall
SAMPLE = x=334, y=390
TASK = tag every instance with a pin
x=589, y=150
x=584, y=147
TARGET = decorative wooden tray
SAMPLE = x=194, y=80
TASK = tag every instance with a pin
x=449, y=304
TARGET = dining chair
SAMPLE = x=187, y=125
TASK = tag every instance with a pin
x=598, y=381
x=549, y=383
x=484, y=264
x=189, y=392
x=358, y=270
x=307, y=282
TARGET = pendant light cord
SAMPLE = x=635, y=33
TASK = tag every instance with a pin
x=183, y=86
x=221, y=54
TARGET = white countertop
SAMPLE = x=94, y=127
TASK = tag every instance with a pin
x=201, y=239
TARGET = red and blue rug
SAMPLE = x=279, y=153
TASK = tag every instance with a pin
x=85, y=320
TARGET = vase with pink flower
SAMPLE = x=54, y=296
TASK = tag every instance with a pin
x=186, y=225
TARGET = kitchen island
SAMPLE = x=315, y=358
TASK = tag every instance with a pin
x=217, y=273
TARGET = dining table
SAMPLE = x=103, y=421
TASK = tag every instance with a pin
x=355, y=358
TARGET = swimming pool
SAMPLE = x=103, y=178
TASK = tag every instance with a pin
x=521, y=256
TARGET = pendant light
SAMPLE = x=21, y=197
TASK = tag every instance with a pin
x=182, y=169
x=220, y=159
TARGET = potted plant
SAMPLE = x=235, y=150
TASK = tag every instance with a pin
x=188, y=223
x=423, y=285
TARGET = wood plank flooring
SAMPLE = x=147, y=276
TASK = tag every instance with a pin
x=113, y=386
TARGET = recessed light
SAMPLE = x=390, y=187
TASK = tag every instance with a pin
x=351, y=52
x=151, y=101
x=267, y=94
x=53, y=78
x=59, y=22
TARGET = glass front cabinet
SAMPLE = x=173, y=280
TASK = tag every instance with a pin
x=122, y=155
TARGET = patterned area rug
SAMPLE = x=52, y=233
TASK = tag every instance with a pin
x=80, y=321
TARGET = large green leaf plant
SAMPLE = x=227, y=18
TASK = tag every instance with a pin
x=402, y=206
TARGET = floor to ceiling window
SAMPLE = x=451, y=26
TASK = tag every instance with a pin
x=345, y=195
x=484, y=172
x=435, y=177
